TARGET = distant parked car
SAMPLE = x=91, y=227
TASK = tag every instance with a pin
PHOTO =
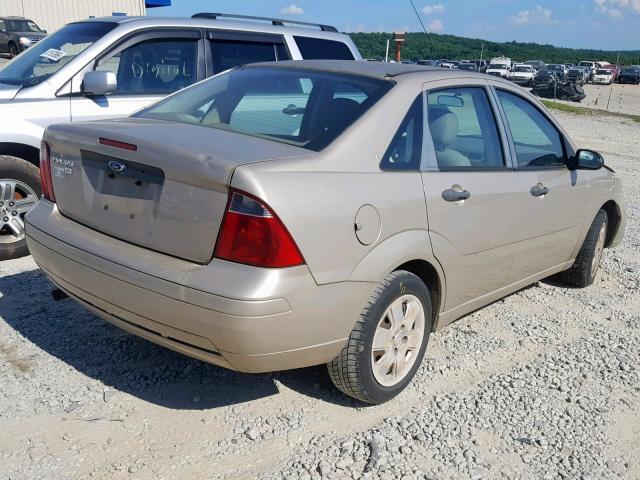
x=17, y=34
x=603, y=76
x=522, y=74
x=450, y=64
x=468, y=66
x=559, y=69
x=578, y=75
x=590, y=65
x=629, y=75
x=536, y=64
x=482, y=65
x=204, y=222
x=429, y=63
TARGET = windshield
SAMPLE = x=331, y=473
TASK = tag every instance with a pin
x=603, y=71
x=586, y=64
x=523, y=69
x=44, y=59
x=498, y=66
x=22, y=26
x=467, y=66
x=631, y=70
x=299, y=107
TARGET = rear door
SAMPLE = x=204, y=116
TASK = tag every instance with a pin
x=228, y=49
x=148, y=67
x=552, y=197
x=470, y=190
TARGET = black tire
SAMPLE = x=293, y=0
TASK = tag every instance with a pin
x=352, y=370
x=13, y=50
x=15, y=168
x=581, y=274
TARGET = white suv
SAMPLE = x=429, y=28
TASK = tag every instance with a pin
x=111, y=67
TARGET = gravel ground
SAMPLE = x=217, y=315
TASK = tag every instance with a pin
x=541, y=385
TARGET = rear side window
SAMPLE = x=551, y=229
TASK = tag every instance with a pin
x=228, y=54
x=463, y=129
x=537, y=142
x=321, y=49
x=404, y=152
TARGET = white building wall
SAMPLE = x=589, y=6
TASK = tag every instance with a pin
x=53, y=14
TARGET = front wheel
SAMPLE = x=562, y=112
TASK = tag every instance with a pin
x=387, y=343
x=13, y=50
x=19, y=191
x=584, y=270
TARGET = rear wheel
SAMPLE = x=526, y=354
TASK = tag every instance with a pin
x=13, y=50
x=584, y=270
x=387, y=343
x=19, y=191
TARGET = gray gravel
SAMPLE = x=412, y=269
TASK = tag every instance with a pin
x=543, y=384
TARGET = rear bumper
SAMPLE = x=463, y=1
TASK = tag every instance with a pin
x=239, y=317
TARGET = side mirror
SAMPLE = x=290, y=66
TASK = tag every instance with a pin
x=99, y=83
x=586, y=160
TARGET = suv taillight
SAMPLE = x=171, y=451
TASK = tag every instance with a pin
x=252, y=234
x=45, y=172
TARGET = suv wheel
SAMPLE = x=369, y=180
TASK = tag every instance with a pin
x=387, y=343
x=13, y=50
x=584, y=270
x=19, y=191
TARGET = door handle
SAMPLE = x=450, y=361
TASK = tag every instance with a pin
x=539, y=190
x=451, y=195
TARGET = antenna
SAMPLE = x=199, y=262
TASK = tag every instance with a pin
x=418, y=15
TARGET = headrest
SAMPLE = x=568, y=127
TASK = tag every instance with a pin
x=340, y=113
x=444, y=127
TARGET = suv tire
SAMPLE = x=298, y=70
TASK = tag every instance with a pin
x=19, y=182
x=13, y=50
x=584, y=270
x=359, y=369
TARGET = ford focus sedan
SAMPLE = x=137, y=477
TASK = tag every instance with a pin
x=284, y=215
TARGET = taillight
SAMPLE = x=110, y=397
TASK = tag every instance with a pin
x=45, y=172
x=252, y=234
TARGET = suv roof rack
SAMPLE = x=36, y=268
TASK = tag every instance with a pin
x=274, y=21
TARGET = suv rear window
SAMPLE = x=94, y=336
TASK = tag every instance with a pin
x=321, y=49
x=299, y=107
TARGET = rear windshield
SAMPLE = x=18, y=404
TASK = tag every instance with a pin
x=523, y=69
x=299, y=107
x=46, y=57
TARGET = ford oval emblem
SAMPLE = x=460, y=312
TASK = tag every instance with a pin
x=116, y=166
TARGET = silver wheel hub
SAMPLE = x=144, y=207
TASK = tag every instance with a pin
x=597, y=254
x=397, y=340
x=16, y=199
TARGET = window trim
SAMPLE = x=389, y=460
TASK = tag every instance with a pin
x=420, y=141
x=432, y=166
x=512, y=145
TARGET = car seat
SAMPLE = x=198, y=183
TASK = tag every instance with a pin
x=444, y=131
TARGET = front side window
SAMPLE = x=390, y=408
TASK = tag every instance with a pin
x=463, y=129
x=231, y=53
x=537, y=142
x=405, y=150
x=23, y=26
x=154, y=66
x=3, y=27
x=303, y=108
x=321, y=49
x=45, y=58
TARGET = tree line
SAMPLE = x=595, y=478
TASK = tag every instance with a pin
x=422, y=46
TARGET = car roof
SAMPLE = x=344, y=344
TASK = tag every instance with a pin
x=379, y=70
x=250, y=25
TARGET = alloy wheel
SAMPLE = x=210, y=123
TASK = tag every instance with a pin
x=397, y=340
x=16, y=199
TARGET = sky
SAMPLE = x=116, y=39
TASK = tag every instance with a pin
x=600, y=24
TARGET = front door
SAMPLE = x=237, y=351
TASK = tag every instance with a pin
x=552, y=197
x=4, y=37
x=147, y=68
x=470, y=189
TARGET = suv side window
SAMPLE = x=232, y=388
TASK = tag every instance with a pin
x=321, y=49
x=405, y=150
x=159, y=65
x=537, y=142
x=229, y=50
x=3, y=26
x=463, y=129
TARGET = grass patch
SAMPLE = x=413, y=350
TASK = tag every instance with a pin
x=587, y=111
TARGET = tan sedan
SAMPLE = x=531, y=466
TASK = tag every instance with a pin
x=284, y=215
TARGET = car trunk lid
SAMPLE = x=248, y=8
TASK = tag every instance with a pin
x=152, y=183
